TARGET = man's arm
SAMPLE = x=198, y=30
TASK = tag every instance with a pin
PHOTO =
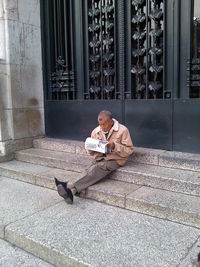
x=125, y=148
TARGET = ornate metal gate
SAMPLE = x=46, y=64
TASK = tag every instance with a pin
x=126, y=56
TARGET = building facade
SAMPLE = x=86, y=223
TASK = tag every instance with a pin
x=63, y=61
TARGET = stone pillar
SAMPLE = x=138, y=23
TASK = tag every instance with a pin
x=21, y=85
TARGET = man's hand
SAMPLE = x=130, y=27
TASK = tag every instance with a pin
x=111, y=145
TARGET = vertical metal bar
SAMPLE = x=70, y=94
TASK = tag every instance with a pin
x=176, y=53
x=59, y=28
x=66, y=50
x=44, y=6
x=71, y=47
x=78, y=47
x=55, y=29
x=121, y=75
x=164, y=45
x=127, y=48
x=101, y=66
x=86, y=46
x=48, y=53
x=186, y=14
x=71, y=34
x=66, y=33
x=115, y=50
x=147, y=48
x=190, y=46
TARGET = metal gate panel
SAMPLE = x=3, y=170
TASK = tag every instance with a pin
x=132, y=57
x=186, y=107
x=186, y=120
x=150, y=122
x=76, y=119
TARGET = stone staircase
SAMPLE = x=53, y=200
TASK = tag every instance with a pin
x=154, y=182
x=153, y=186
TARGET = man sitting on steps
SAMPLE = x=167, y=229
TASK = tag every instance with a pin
x=120, y=147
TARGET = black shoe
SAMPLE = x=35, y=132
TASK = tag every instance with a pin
x=64, y=192
x=57, y=182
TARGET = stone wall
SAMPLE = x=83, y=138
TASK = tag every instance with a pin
x=21, y=86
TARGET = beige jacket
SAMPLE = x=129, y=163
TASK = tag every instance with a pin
x=119, y=134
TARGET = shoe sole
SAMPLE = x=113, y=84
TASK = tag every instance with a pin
x=62, y=192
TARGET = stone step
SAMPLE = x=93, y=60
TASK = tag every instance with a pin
x=19, y=199
x=89, y=233
x=4, y=158
x=160, y=203
x=164, y=204
x=172, y=159
x=62, y=145
x=183, y=181
x=61, y=160
x=15, y=257
x=36, y=174
x=176, y=180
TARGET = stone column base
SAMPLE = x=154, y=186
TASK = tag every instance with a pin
x=9, y=147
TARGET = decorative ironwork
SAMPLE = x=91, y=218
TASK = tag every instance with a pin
x=62, y=82
x=147, y=20
x=101, y=40
x=61, y=62
x=194, y=64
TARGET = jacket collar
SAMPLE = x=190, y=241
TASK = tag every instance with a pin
x=114, y=128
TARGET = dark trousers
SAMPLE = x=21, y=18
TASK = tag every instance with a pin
x=96, y=172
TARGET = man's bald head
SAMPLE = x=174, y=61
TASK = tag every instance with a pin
x=105, y=115
x=105, y=120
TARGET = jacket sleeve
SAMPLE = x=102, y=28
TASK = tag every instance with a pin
x=125, y=147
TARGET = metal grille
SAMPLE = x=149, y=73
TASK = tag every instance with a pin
x=62, y=80
x=194, y=64
x=101, y=50
x=148, y=50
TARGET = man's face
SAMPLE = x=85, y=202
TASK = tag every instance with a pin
x=104, y=124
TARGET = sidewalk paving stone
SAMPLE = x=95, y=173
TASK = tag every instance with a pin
x=19, y=199
x=12, y=256
x=88, y=233
x=165, y=204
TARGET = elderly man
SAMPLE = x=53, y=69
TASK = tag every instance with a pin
x=120, y=146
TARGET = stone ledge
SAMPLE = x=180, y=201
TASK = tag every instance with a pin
x=4, y=158
x=93, y=234
x=159, y=157
x=167, y=205
x=62, y=145
x=13, y=145
x=13, y=256
x=177, y=180
x=36, y=174
x=18, y=200
x=111, y=192
x=61, y=160
x=155, y=202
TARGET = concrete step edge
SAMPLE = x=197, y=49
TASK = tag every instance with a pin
x=159, y=157
x=137, y=177
x=142, y=180
x=48, y=161
x=158, y=210
x=116, y=193
x=46, y=253
x=44, y=230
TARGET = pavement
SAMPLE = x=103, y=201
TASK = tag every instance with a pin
x=36, y=220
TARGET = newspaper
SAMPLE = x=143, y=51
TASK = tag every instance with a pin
x=96, y=145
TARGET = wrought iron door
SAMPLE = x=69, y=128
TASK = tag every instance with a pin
x=124, y=56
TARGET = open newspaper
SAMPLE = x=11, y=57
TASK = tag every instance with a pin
x=96, y=145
